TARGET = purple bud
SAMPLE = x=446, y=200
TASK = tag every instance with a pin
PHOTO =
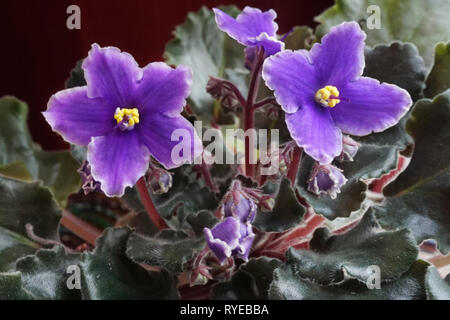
x=159, y=180
x=349, y=149
x=326, y=180
x=89, y=184
x=239, y=204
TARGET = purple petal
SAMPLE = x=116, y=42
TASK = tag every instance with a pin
x=156, y=133
x=340, y=56
x=314, y=130
x=112, y=74
x=78, y=118
x=293, y=78
x=117, y=161
x=164, y=89
x=327, y=180
x=270, y=44
x=245, y=243
x=249, y=24
x=372, y=107
x=223, y=238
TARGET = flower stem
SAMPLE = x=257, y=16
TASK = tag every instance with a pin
x=249, y=119
x=149, y=206
x=80, y=228
x=295, y=163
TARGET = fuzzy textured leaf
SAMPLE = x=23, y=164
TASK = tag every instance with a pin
x=199, y=44
x=21, y=158
x=287, y=212
x=336, y=258
x=251, y=282
x=419, y=198
x=423, y=23
x=439, y=78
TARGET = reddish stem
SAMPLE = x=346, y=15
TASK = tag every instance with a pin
x=80, y=228
x=249, y=119
x=295, y=163
x=149, y=206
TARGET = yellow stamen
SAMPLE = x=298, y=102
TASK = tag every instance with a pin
x=127, y=117
x=323, y=95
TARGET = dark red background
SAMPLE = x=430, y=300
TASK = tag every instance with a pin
x=38, y=51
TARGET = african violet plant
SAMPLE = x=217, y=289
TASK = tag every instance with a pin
x=359, y=126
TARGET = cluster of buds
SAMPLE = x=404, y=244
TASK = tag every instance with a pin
x=89, y=184
x=159, y=181
x=224, y=91
x=233, y=236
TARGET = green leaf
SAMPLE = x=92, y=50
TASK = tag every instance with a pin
x=287, y=212
x=24, y=202
x=375, y=157
x=58, y=171
x=107, y=273
x=199, y=44
x=288, y=285
x=79, y=153
x=439, y=78
x=11, y=287
x=419, y=198
x=251, y=282
x=170, y=250
x=423, y=23
x=12, y=247
x=399, y=64
x=22, y=159
x=335, y=258
x=437, y=288
x=44, y=275
x=300, y=38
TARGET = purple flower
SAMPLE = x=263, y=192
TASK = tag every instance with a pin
x=124, y=115
x=230, y=238
x=326, y=180
x=323, y=93
x=253, y=29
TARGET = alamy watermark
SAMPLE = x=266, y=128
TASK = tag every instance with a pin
x=226, y=148
x=374, y=19
x=374, y=279
x=74, y=20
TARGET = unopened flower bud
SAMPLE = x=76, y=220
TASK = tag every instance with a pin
x=349, y=149
x=159, y=180
x=326, y=180
x=238, y=204
x=222, y=90
x=89, y=184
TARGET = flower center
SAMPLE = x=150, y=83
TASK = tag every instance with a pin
x=126, y=118
x=327, y=96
